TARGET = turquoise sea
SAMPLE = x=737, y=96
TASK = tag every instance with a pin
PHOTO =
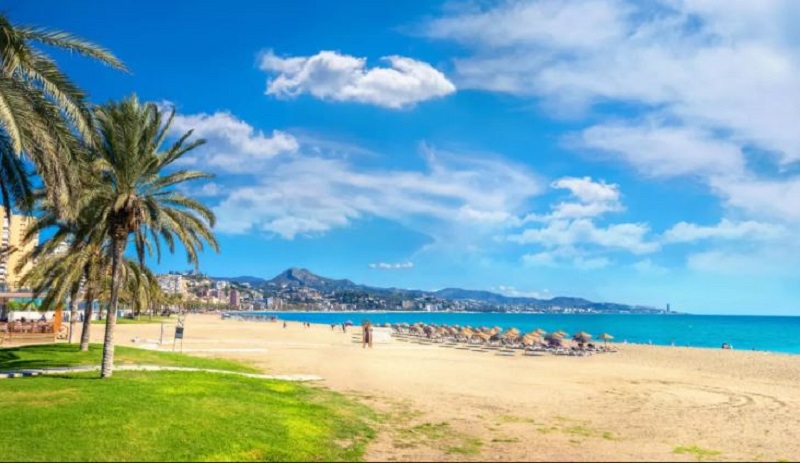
x=777, y=334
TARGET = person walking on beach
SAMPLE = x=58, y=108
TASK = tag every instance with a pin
x=366, y=335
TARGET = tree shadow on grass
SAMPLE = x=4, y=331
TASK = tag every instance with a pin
x=42, y=356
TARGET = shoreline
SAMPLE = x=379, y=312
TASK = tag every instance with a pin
x=655, y=338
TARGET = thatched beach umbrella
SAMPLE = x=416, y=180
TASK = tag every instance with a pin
x=531, y=339
x=605, y=337
x=560, y=333
x=540, y=331
x=581, y=336
x=554, y=339
x=511, y=333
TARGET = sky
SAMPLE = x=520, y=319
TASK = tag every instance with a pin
x=641, y=152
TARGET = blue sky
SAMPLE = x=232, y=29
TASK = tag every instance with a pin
x=636, y=152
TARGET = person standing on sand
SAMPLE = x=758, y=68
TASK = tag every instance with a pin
x=366, y=334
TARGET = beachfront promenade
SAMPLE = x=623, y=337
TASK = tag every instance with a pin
x=641, y=403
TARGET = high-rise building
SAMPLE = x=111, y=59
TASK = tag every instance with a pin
x=234, y=298
x=12, y=248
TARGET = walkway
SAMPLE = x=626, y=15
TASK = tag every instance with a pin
x=62, y=370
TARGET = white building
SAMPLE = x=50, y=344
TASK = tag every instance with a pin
x=172, y=284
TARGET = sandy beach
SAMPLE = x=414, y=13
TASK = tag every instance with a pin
x=453, y=404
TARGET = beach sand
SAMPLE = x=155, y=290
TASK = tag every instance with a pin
x=444, y=403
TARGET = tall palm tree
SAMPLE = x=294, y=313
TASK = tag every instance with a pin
x=42, y=113
x=137, y=200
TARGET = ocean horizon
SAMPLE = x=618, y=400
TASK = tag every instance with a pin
x=773, y=333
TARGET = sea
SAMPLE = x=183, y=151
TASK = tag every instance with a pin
x=760, y=333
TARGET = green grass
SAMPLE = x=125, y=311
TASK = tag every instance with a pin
x=178, y=416
x=470, y=446
x=142, y=319
x=67, y=355
x=506, y=440
x=698, y=452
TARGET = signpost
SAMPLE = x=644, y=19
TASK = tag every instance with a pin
x=178, y=334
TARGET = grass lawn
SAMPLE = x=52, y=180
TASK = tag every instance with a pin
x=174, y=416
x=67, y=355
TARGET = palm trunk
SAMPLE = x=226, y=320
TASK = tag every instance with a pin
x=107, y=368
x=73, y=313
x=87, y=318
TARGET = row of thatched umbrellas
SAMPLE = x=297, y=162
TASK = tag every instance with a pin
x=485, y=333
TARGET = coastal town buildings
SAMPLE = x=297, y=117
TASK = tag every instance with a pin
x=172, y=284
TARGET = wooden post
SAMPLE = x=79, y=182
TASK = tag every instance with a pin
x=57, y=322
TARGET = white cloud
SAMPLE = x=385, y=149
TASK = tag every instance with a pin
x=307, y=194
x=684, y=232
x=232, y=144
x=565, y=257
x=630, y=237
x=274, y=185
x=588, y=191
x=570, y=235
x=712, y=86
x=714, y=63
x=759, y=262
x=392, y=266
x=775, y=199
x=594, y=198
x=577, y=24
x=332, y=76
x=660, y=150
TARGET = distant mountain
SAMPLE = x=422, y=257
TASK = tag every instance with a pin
x=303, y=278
x=300, y=277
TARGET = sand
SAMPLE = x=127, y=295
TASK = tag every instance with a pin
x=448, y=404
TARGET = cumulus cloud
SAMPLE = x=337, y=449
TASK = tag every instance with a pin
x=392, y=266
x=630, y=237
x=570, y=235
x=232, y=144
x=329, y=75
x=593, y=198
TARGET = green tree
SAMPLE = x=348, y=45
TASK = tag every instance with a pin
x=136, y=200
x=43, y=115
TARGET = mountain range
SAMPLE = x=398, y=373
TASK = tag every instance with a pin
x=303, y=278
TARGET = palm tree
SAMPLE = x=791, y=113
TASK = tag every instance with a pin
x=137, y=200
x=82, y=266
x=43, y=114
